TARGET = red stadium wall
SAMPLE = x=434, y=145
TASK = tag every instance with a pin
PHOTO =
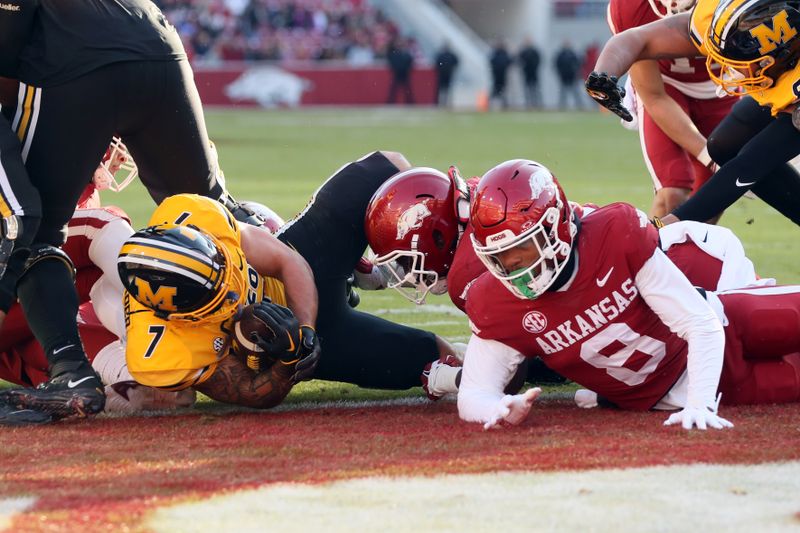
x=287, y=85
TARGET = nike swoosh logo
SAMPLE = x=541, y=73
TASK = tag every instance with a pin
x=602, y=281
x=705, y=239
x=62, y=348
x=743, y=184
x=72, y=384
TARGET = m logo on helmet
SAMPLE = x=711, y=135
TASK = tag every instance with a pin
x=770, y=38
x=162, y=299
x=411, y=219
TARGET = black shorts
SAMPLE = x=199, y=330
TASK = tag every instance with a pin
x=65, y=129
x=329, y=233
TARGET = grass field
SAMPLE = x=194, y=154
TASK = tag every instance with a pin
x=320, y=463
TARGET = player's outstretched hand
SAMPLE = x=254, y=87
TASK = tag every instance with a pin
x=513, y=409
x=606, y=92
x=700, y=417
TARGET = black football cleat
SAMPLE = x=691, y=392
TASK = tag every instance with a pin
x=11, y=416
x=76, y=392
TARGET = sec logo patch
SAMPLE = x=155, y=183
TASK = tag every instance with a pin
x=534, y=322
x=219, y=342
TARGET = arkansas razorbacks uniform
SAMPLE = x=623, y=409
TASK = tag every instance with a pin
x=627, y=323
x=686, y=81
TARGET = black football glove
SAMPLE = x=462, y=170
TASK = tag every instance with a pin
x=310, y=350
x=605, y=91
x=284, y=341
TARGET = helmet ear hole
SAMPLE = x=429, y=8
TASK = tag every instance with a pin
x=438, y=239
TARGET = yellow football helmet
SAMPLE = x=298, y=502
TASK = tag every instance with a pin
x=756, y=44
x=179, y=272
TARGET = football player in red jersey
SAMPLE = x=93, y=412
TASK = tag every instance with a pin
x=600, y=303
x=751, y=49
x=677, y=108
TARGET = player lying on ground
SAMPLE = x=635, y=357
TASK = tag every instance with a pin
x=751, y=48
x=601, y=304
x=417, y=225
x=177, y=343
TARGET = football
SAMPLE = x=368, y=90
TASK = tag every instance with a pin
x=245, y=330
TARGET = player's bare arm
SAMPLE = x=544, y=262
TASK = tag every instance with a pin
x=232, y=382
x=270, y=257
x=663, y=39
x=666, y=38
x=665, y=111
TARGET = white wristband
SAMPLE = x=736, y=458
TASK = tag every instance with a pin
x=704, y=158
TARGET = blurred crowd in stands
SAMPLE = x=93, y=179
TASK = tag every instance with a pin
x=251, y=30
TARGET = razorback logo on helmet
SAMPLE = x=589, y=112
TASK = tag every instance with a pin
x=163, y=298
x=540, y=181
x=534, y=322
x=411, y=219
x=780, y=32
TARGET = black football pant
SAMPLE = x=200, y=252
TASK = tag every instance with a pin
x=64, y=132
x=753, y=149
x=329, y=233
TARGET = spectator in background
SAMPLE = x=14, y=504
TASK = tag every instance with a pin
x=529, y=59
x=499, y=62
x=445, y=63
x=401, y=64
x=568, y=66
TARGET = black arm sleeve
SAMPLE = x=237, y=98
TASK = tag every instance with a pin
x=16, y=22
x=764, y=158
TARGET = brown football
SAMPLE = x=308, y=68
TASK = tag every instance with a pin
x=245, y=329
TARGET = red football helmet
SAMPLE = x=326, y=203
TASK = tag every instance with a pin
x=117, y=169
x=413, y=223
x=520, y=203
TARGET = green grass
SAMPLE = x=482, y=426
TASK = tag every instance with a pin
x=280, y=157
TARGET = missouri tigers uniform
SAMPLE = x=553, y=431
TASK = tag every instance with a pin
x=176, y=354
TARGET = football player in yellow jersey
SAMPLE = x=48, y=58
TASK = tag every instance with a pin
x=186, y=276
x=752, y=48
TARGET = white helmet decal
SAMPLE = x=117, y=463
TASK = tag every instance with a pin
x=411, y=219
x=540, y=181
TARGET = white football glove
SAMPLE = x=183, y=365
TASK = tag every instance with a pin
x=702, y=417
x=513, y=409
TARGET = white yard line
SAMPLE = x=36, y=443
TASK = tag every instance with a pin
x=665, y=499
x=12, y=506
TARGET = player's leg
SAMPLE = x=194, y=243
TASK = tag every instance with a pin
x=762, y=341
x=19, y=202
x=163, y=126
x=62, y=144
x=329, y=232
x=669, y=165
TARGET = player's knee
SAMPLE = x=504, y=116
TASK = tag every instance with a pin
x=41, y=253
x=721, y=147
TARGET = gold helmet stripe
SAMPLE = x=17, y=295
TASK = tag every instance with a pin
x=151, y=243
x=132, y=253
x=167, y=266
